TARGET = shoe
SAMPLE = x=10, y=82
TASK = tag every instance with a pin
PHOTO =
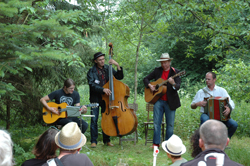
x=93, y=145
x=109, y=144
x=154, y=145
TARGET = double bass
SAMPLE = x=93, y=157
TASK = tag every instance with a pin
x=118, y=119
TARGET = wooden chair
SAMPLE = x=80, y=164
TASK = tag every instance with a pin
x=135, y=138
x=149, y=125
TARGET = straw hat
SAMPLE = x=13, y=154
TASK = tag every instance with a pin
x=70, y=137
x=165, y=57
x=174, y=146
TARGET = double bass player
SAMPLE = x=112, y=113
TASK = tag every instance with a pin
x=97, y=76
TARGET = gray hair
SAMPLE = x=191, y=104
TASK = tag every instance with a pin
x=214, y=133
x=6, y=155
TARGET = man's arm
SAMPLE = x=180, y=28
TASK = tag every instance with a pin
x=83, y=109
x=119, y=73
x=44, y=100
x=198, y=104
x=147, y=79
x=198, y=100
x=94, y=85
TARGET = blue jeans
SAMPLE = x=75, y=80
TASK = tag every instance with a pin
x=94, y=126
x=160, y=108
x=64, y=121
x=231, y=124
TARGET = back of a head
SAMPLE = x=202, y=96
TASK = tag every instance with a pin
x=194, y=144
x=46, y=147
x=6, y=155
x=214, y=133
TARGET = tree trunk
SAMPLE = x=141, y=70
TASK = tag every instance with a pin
x=8, y=115
x=137, y=57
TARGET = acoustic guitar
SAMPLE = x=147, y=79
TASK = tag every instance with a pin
x=160, y=89
x=64, y=110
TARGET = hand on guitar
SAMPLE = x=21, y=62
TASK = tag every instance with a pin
x=171, y=81
x=226, y=112
x=83, y=109
x=54, y=110
x=152, y=87
x=107, y=91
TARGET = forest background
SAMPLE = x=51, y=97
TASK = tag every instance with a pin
x=43, y=42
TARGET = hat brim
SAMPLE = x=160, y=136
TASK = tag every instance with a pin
x=169, y=59
x=183, y=149
x=98, y=56
x=84, y=140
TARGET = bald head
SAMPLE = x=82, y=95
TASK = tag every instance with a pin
x=214, y=134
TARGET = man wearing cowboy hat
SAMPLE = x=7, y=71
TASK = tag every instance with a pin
x=213, y=140
x=174, y=149
x=169, y=102
x=97, y=76
x=70, y=141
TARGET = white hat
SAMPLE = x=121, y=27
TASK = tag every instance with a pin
x=174, y=146
x=70, y=137
x=165, y=57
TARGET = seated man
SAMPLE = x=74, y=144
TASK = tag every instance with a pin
x=213, y=140
x=215, y=91
x=174, y=149
x=70, y=141
x=66, y=95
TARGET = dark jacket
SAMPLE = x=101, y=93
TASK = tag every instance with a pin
x=95, y=90
x=173, y=97
x=210, y=161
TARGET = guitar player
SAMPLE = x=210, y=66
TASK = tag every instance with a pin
x=169, y=102
x=215, y=91
x=68, y=95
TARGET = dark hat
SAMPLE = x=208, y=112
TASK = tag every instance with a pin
x=97, y=55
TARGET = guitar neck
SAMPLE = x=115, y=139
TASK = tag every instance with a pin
x=164, y=82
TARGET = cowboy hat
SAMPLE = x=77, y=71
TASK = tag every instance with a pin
x=165, y=57
x=97, y=55
x=174, y=146
x=70, y=137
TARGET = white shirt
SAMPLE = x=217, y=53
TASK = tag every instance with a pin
x=216, y=92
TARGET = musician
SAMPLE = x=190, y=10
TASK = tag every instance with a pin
x=66, y=95
x=97, y=76
x=215, y=91
x=169, y=102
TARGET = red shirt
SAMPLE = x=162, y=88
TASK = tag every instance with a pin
x=165, y=77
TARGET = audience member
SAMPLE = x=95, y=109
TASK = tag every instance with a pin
x=213, y=140
x=6, y=145
x=194, y=144
x=44, y=149
x=174, y=149
x=70, y=141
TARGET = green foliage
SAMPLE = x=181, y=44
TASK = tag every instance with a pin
x=234, y=76
x=39, y=47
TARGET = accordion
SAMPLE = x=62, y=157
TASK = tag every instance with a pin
x=215, y=108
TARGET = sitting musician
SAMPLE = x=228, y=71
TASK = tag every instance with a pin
x=215, y=91
x=169, y=102
x=69, y=96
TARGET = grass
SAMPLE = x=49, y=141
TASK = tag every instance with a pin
x=186, y=122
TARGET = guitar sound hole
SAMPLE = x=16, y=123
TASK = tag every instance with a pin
x=156, y=87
